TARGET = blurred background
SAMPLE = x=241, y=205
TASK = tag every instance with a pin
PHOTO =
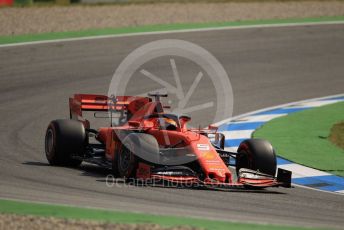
x=43, y=16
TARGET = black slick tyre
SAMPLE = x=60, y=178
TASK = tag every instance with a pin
x=64, y=139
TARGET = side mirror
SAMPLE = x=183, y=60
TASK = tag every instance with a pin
x=185, y=118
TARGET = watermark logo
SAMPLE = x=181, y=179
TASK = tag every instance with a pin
x=195, y=81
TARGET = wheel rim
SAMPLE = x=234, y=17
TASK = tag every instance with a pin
x=49, y=142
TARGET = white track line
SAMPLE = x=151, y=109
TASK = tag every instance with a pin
x=257, y=118
x=315, y=103
x=173, y=31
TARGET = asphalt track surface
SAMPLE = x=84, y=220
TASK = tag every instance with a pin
x=267, y=67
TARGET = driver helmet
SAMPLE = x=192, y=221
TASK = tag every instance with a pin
x=168, y=123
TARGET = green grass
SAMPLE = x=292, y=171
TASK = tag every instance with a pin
x=303, y=137
x=154, y=28
x=47, y=210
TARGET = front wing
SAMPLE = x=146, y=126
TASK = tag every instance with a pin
x=183, y=176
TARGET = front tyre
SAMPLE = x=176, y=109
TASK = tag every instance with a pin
x=63, y=139
x=135, y=147
x=257, y=155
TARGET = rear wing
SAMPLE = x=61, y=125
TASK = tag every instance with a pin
x=87, y=102
x=93, y=102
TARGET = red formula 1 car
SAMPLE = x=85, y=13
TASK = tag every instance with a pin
x=144, y=142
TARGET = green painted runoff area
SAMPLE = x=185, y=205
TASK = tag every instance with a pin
x=59, y=211
x=303, y=137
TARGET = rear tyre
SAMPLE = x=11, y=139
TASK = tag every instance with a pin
x=258, y=155
x=63, y=139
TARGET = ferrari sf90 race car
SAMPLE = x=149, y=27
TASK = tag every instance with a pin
x=143, y=142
